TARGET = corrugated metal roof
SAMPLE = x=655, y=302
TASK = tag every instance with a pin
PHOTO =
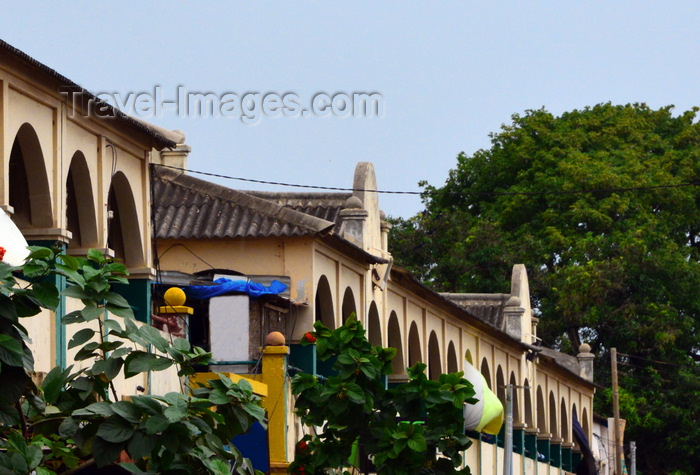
x=186, y=207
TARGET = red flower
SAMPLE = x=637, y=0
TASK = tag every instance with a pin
x=303, y=446
x=2, y=252
x=308, y=336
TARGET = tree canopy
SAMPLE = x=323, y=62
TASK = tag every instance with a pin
x=602, y=206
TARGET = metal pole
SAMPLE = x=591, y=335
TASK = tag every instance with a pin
x=508, y=443
x=633, y=458
x=616, y=413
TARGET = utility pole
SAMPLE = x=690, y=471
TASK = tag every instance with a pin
x=633, y=458
x=616, y=413
x=508, y=443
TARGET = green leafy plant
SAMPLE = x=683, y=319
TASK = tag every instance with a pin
x=601, y=204
x=75, y=418
x=414, y=428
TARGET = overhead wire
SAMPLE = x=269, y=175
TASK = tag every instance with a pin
x=460, y=193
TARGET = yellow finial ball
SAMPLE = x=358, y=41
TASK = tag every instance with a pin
x=175, y=297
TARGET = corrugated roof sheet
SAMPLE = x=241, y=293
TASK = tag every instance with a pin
x=186, y=207
x=487, y=307
x=326, y=206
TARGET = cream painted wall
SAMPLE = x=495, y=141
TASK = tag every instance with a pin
x=41, y=329
x=27, y=98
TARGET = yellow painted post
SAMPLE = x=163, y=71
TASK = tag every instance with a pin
x=274, y=372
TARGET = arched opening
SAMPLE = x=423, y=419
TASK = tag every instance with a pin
x=452, y=365
x=516, y=400
x=574, y=417
x=529, y=420
x=553, y=426
x=395, y=341
x=324, y=303
x=349, y=307
x=32, y=204
x=541, y=412
x=434, y=362
x=584, y=423
x=414, y=353
x=564, y=422
x=501, y=386
x=486, y=373
x=374, y=328
x=124, y=228
x=80, y=205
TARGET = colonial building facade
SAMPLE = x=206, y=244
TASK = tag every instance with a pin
x=79, y=174
x=78, y=178
x=332, y=247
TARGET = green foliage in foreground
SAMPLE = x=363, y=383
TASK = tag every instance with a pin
x=414, y=428
x=76, y=418
x=614, y=266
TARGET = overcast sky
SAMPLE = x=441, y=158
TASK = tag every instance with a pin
x=448, y=74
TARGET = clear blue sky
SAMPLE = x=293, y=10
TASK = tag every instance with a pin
x=449, y=73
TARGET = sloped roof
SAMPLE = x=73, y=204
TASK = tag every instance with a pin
x=162, y=137
x=326, y=206
x=186, y=207
x=487, y=307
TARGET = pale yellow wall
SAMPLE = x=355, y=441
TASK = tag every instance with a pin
x=41, y=329
x=26, y=96
x=60, y=133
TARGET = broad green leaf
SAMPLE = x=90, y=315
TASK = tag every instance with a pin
x=75, y=291
x=92, y=312
x=53, y=383
x=105, y=452
x=174, y=413
x=141, y=445
x=81, y=337
x=124, y=312
x=117, y=300
x=7, y=308
x=141, y=362
x=97, y=408
x=115, y=429
x=47, y=294
x=157, y=424
x=181, y=344
x=87, y=351
x=112, y=325
x=69, y=427
x=73, y=317
x=11, y=351
x=110, y=367
x=148, y=405
x=96, y=255
x=417, y=443
x=8, y=415
x=154, y=337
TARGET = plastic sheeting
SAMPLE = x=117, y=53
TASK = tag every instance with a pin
x=226, y=286
x=487, y=414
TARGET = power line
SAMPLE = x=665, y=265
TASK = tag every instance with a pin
x=648, y=359
x=460, y=193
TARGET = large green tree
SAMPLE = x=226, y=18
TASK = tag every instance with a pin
x=602, y=206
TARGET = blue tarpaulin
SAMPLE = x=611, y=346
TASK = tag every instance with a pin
x=226, y=286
